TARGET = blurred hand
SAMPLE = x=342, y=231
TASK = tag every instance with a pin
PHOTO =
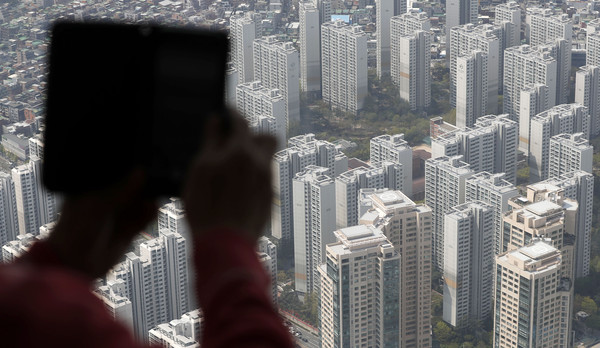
x=96, y=228
x=230, y=183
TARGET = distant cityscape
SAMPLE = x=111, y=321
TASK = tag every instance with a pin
x=481, y=233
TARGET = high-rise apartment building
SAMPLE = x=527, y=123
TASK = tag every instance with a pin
x=407, y=23
x=532, y=301
x=254, y=100
x=534, y=99
x=579, y=186
x=587, y=93
x=309, y=40
x=366, y=310
x=459, y=12
x=35, y=205
x=545, y=213
x=564, y=118
x=277, y=65
x=343, y=66
x=9, y=228
x=411, y=58
x=347, y=187
x=393, y=148
x=568, y=153
x=184, y=332
x=471, y=88
x=445, y=179
x=155, y=281
x=408, y=227
x=314, y=223
x=115, y=300
x=592, y=45
x=268, y=257
x=495, y=191
x=508, y=16
x=486, y=38
x=303, y=150
x=244, y=28
x=491, y=145
x=525, y=65
x=468, y=263
x=385, y=10
x=545, y=28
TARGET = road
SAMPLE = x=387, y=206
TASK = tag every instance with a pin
x=312, y=341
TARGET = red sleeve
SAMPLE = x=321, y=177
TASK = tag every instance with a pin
x=44, y=305
x=232, y=291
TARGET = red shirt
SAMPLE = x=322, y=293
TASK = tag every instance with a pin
x=44, y=304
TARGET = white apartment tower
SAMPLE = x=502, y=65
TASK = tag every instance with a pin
x=276, y=65
x=569, y=153
x=546, y=28
x=579, y=186
x=348, y=185
x=231, y=82
x=266, y=247
x=243, y=30
x=495, y=191
x=471, y=88
x=304, y=150
x=35, y=205
x=524, y=65
x=254, y=100
x=408, y=227
x=411, y=57
x=534, y=99
x=491, y=145
x=385, y=10
x=368, y=309
x=393, y=148
x=344, y=66
x=532, y=301
x=460, y=12
x=445, y=180
x=468, y=263
x=314, y=223
x=155, y=282
x=486, y=38
x=508, y=15
x=592, y=45
x=310, y=47
x=408, y=23
x=184, y=332
x=587, y=93
x=9, y=228
x=564, y=118
x=114, y=296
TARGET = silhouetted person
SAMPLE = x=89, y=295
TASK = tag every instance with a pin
x=45, y=297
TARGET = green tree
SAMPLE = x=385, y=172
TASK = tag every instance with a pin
x=589, y=306
x=442, y=332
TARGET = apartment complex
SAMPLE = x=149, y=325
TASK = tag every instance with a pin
x=277, y=65
x=532, y=301
x=468, y=263
x=445, y=180
x=366, y=310
x=343, y=66
x=561, y=119
x=408, y=226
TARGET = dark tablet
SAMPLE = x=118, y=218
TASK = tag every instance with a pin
x=124, y=96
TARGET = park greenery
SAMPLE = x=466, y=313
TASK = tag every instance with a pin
x=383, y=113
